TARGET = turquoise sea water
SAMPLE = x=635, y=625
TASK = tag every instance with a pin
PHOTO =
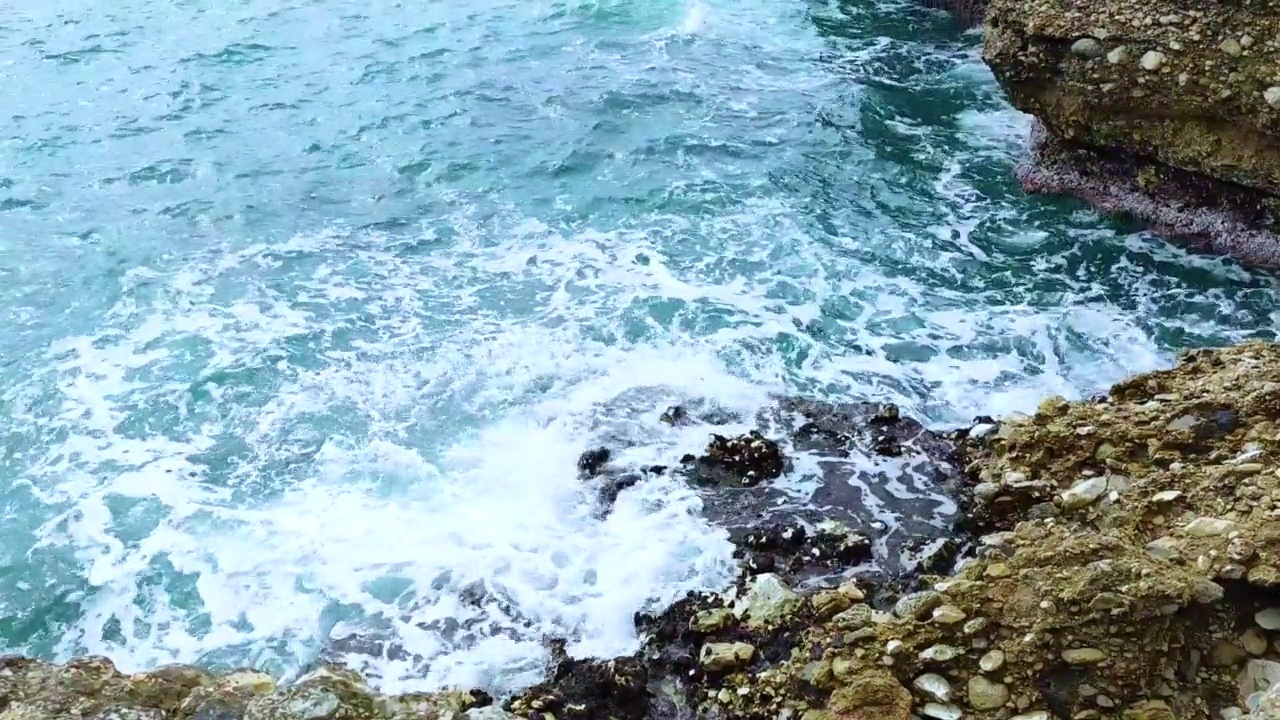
x=309, y=306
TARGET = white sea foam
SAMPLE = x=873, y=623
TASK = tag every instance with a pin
x=261, y=449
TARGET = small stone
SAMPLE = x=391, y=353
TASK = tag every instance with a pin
x=998, y=570
x=719, y=657
x=1104, y=701
x=933, y=686
x=948, y=615
x=986, y=694
x=1206, y=591
x=992, y=661
x=1224, y=654
x=939, y=711
x=986, y=490
x=1184, y=422
x=767, y=602
x=709, y=621
x=852, y=591
x=1268, y=619
x=916, y=605
x=1118, y=55
x=1015, y=478
x=1083, y=656
x=858, y=616
x=1208, y=527
x=894, y=647
x=1247, y=469
x=940, y=653
x=1272, y=96
x=1087, y=47
x=981, y=430
x=1152, y=60
x=1231, y=46
x=1083, y=493
x=1253, y=641
x=829, y=603
x=1264, y=576
x=1166, y=496
x=1033, y=715
x=975, y=625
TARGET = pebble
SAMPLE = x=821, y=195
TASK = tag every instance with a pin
x=852, y=591
x=1033, y=715
x=1165, y=496
x=948, y=615
x=977, y=432
x=718, y=657
x=998, y=570
x=1231, y=46
x=1084, y=493
x=1208, y=527
x=935, y=686
x=939, y=711
x=975, y=625
x=1118, y=55
x=858, y=616
x=1254, y=642
x=1272, y=96
x=1087, y=47
x=1247, y=469
x=992, y=661
x=916, y=605
x=940, y=653
x=893, y=647
x=1083, y=656
x=1185, y=422
x=1152, y=60
x=1268, y=619
x=709, y=621
x=986, y=694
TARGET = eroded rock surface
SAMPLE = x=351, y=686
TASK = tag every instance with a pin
x=1128, y=568
x=1176, y=97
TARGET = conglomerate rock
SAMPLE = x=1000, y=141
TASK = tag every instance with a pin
x=1175, y=96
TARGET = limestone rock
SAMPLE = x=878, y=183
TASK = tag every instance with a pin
x=871, y=695
x=720, y=657
x=767, y=602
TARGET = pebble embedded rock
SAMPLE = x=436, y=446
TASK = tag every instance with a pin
x=1152, y=60
x=1083, y=656
x=1087, y=47
x=933, y=686
x=987, y=694
x=719, y=657
x=992, y=661
x=1268, y=619
x=1084, y=493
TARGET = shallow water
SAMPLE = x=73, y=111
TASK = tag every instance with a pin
x=310, y=306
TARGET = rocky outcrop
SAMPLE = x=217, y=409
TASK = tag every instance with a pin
x=1127, y=569
x=1180, y=101
x=1125, y=566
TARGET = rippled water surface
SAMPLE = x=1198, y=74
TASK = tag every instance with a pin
x=309, y=307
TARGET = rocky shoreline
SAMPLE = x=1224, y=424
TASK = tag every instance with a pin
x=1111, y=558
x=1167, y=112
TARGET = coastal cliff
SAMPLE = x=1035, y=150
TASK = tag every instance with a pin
x=1167, y=111
x=1123, y=561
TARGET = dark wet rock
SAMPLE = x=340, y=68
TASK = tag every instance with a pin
x=589, y=689
x=747, y=459
x=592, y=462
x=675, y=415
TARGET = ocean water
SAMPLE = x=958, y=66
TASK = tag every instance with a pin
x=309, y=307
